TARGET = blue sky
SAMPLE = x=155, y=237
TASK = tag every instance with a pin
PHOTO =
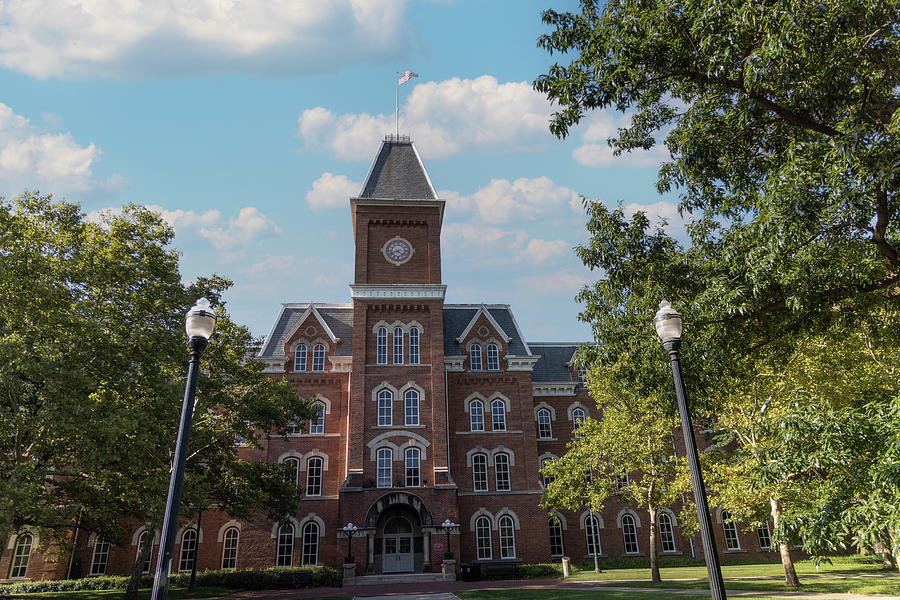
x=249, y=126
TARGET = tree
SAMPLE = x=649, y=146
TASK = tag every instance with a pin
x=92, y=367
x=628, y=453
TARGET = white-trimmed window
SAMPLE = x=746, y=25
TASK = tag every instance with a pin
x=317, y=423
x=507, y=537
x=414, y=356
x=732, y=542
x=622, y=479
x=629, y=533
x=545, y=479
x=385, y=408
x=577, y=419
x=100, y=557
x=145, y=568
x=413, y=467
x=188, y=550
x=582, y=371
x=21, y=555
x=498, y=415
x=293, y=429
x=493, y=358
x=545, y=430
x=319, y=357
x=229, y=548
x=475, y=357
x=476, y=415
x=314, y=476
x=483, y=538
x=284, y=552
x=501, y=471
x=592, y=534
x=479, y=472
x=294, y=464
x=556, y=537
x=666, y=532
x=764, y=535
x=411, y=407
x=385, y=464
x=300, y=358
x=398, y=345
x=381, y=346
x=310, y=555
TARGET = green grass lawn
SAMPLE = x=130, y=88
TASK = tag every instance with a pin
x=519, y=594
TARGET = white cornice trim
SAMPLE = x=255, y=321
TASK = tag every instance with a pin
x=273, y=364
x=558, y=388
x=271, y=332
x=454, y=363
x=311, y=309
x=521, y=363
x=341, y=364
x=482, y=310
x=424, y=291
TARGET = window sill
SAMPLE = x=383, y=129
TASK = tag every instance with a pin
x=549, y=439
x=735, y=551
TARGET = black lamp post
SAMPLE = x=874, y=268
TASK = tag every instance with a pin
x=199, y=324
x=448, y=526
x=349, y=530
x=668, y=326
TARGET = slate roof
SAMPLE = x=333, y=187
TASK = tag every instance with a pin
x=338, y=317
x=457, y=316
x=398, y=173
x=553, y=366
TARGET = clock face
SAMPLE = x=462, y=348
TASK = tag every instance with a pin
x=397, y=251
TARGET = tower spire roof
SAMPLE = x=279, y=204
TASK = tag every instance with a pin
x=397, y=173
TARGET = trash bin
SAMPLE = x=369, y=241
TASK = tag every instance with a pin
x=469, y=572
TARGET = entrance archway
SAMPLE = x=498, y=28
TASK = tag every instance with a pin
x=398, y=543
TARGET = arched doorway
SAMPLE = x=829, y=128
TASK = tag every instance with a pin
x=397, y=545
x=400, y=526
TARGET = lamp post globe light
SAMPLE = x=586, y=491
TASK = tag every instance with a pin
x=198, y=324
x=668, y=325
x=349, y=530
x=448, y=526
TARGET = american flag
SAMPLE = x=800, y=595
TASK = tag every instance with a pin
x=406, y=77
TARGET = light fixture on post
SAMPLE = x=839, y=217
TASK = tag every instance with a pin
x=199, y=324
x=349, y=530
x=448, y=526
x=668, y=325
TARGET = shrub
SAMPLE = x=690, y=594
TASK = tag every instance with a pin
x=539, y=570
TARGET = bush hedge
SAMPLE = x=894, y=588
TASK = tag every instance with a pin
x=250, y=579
x=539, y=570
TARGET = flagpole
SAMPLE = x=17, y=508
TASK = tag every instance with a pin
x=397, y=102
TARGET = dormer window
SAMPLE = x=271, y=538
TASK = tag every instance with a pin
x=475, y=357
x=300, y=358
x=493, y=358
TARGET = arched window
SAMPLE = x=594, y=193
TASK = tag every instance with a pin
x=507, y=537
x=381, y=348
x=413, y=467
x=546, y=479
x=622, y=479
x=501, y=471
x=483, y=538
x=294, y=464
x=577, y=419
x=493, y=358
x=100, y=557
x=314, y=476
x=310, y=544
x=398, y=345
x=732, y=542
x=145, y=535
x=385, y=408
x=475, y=357
x=764, y=535
x=629, y=532
x=21, y=554
x=414, y=357
x=556, y=537
x=666, y=532
x=479, y=473
x=592, y=533
x=300, y=358
x=545, y=431
x=476, y=415
x=411, y=407
x=385, y=463
x=284, y=552
x=319, y=357
x=229, y=548
x=317, y=423
x=188, y=550
x=498, y=415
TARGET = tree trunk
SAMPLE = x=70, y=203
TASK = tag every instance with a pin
x=888, y=558
x=137, y=572
x=790, y=574
x=654, y=551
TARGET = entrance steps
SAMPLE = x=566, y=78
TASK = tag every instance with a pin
x=398, y=578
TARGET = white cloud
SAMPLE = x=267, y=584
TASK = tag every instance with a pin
x=446, y=118
x=481, y=244
x=53, y=162
x=110, y=38
x=177, y=219
x=246, y=227
x=554, y=282
x=539, y=251
x=502, y=201
x=331, y=191
x=595, y=152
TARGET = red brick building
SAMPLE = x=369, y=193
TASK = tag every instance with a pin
x=427, y=412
